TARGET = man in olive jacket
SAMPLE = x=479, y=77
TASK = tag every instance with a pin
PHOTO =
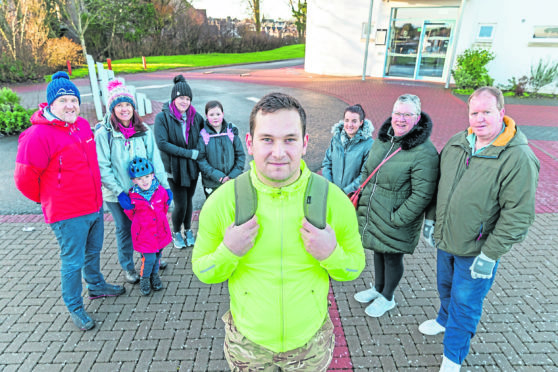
x=485, y=204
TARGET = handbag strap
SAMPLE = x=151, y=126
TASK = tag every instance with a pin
x=378, y=167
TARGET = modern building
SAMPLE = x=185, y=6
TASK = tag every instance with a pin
x=420, y=39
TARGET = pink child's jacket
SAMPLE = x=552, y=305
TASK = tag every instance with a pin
x=150, y=227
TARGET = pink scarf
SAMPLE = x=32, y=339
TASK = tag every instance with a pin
x=190, y=114
x=127, y=131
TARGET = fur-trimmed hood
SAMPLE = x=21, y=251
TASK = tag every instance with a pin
x=364, y=132
x=416, y=136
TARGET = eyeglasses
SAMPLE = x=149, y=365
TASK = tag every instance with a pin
x=402, y=115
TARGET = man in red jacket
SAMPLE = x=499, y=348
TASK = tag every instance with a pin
x=56, y=165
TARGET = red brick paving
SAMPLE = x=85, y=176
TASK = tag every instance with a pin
x=341, y=357
x=448, y=113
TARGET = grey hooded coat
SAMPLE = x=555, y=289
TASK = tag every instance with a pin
x=345, y=156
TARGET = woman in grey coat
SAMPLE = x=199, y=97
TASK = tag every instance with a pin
x=348, y=150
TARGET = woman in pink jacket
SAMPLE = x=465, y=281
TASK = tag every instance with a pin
x=150, y=227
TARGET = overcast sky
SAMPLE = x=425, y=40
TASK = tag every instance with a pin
x=240, y=8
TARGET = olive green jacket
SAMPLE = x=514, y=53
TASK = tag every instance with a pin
x=391, y=207
x=486, y=202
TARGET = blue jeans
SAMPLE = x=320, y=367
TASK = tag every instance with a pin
x=461, y=299
x=81, y=241
x=123, y=236
x=150, y=263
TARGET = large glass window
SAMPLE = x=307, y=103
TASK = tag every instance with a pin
x=419, y=40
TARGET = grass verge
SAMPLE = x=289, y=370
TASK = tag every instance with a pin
x=157, y=63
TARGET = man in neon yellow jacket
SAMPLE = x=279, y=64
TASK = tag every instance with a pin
x=278, y=264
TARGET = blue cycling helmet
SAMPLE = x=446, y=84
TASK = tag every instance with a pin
x=140, y=167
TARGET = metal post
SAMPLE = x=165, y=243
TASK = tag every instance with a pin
x=94, y=87
x=368, y=31
x=455, y=39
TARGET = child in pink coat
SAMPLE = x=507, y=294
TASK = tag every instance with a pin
x=150, y=227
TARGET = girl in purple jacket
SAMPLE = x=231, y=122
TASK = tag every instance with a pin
x=150, y=227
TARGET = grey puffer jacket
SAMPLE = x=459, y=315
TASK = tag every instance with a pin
x=345, y=156
x=391, y=207
x=222, y=156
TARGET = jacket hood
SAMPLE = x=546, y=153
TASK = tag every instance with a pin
x=364, y=132
x=166, y=109
x=224, y=127
x=416, y=136
x=38, y=118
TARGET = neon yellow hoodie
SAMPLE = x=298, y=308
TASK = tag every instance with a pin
x=278, y=291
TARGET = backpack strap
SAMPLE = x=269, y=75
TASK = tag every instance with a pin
x=315, y=200
x=314, y=203
x=109, y=133
x=205, y=136
x=230, y=134
x=245, y=198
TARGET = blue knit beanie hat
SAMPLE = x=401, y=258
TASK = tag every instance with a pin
x=140, y=167
x=61, y=86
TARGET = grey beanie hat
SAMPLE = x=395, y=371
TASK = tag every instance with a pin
x=181, y=88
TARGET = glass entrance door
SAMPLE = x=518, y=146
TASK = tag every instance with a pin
x=419, y=43
x=403, y=48
x=434, y=47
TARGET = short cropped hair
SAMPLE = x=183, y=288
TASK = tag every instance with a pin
x=274, y=102
x=409, y=98
x=495, y=92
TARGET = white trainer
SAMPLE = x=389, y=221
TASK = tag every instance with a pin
x=367, y=295
x=449, y=366
x=431, y=327
x=379, y=307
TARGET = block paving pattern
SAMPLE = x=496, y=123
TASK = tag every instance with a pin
x=180, y=328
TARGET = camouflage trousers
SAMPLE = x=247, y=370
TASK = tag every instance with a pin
x=245, y=355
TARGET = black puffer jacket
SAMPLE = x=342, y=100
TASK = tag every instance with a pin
x=175, y=152
x=391, y=207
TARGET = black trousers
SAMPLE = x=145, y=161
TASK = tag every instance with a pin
x=183, y=208
x=388, y=271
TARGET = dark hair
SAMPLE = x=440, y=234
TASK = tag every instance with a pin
x=355, y=109
x=212, y=104
x=136, y=122
x=495, y=92
x=274, y=102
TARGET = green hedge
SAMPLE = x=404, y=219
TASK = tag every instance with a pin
x=470, y=71
x=13, y=117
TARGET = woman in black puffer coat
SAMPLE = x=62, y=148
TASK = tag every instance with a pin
x=391, y=207
x=177, y=129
